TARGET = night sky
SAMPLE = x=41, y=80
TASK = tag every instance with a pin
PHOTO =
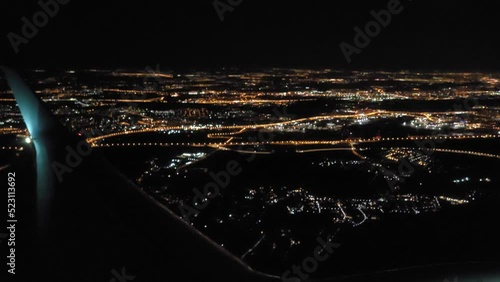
x=431, y=35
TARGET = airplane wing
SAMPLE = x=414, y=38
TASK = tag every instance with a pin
x=95, y=221
x=95, y=225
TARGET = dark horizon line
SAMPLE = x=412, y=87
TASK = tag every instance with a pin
x=167, y=67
